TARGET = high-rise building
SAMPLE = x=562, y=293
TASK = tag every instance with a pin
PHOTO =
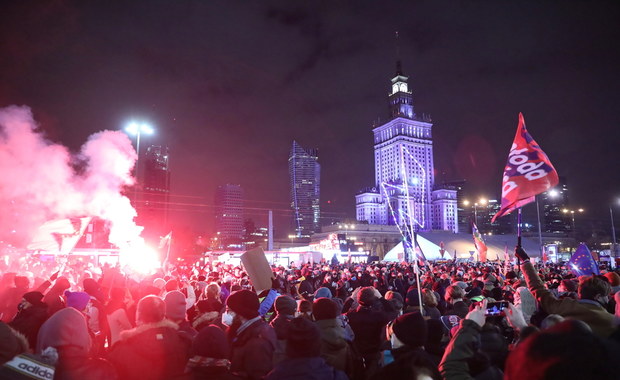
x=463, y=214
x=404, y=192
x=156, y=196
x=229, y=216
x=554, y=201
x=305, y=176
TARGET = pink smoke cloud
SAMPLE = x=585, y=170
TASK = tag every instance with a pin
x=39, y=180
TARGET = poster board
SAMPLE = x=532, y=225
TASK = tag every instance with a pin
x=257, y=267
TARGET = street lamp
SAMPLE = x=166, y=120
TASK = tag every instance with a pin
x=136, y=129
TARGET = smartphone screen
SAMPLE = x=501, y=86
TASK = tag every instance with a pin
x=496, y=308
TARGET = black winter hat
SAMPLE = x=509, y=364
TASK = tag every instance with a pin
x=325, y=308
x=304, y=339
x=411, y=329
x=413, y=298
x=244, y=302
x=285, y=305
x=211, y=342
x=34, y=298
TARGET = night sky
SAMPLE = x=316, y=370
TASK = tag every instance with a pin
x=229, y=84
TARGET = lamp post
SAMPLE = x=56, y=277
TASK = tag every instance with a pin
x=136, y=129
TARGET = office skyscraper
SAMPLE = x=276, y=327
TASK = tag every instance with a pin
x=229, y=216
x=554, y=201
x=154, y=212
x=305, y=181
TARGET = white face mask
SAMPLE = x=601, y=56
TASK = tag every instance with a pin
x=395, y=342
x=227, y=318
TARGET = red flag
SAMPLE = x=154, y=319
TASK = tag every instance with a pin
x=479, y=243
x=528, y=172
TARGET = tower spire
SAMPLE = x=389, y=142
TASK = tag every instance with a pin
x=399, y=66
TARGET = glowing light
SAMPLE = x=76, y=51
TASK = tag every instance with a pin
x=482, y=201
x=466, y=203
x=134, y=128
x=553, y=193
x=581, y=210
x=140, y=258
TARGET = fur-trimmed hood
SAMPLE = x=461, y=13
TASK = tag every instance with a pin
x=128, y=334
x=209, y=316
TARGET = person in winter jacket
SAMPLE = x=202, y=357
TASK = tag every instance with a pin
x=252, y=340
x=65, y=336
x=408, y=334
x=209, y=355
x=53, y=298
x=463, y=351
x=118, y=319
x=303, y=350
x=154, y=350
x=368, y=324
x=589, y=308
x=175, y=311
x=31, y=315
x=334, y=347
x=285, y=312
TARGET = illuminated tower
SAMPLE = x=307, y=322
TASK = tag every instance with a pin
x=305, y=176
x=229, y=215
x=404, y=177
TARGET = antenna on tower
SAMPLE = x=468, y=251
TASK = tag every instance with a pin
x=399, y=68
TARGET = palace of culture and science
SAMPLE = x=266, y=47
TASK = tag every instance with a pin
x=404, y=192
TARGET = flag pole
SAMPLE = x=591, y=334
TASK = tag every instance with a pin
x=518, y=237
x=417, y=269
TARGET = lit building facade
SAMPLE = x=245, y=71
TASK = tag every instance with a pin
x=229, y=216
x=305, y=181
x=156, y=196
x=554, y=201
x=404, y=191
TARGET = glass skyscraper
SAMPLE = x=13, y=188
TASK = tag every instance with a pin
x=305, y=176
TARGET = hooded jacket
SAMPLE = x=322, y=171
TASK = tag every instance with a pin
x=305, y=368
x=153, y=351
x=67, y=333
x=334, y=347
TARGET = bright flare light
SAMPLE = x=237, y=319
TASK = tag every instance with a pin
x=140, y=258
x=134, y=128
x=553, y=193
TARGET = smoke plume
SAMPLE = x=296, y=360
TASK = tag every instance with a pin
x=41, y=181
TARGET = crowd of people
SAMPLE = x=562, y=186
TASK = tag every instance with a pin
x=431, y=320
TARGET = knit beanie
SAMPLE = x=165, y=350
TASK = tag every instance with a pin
x=244, y=302
x=151, y=309
x=77, y=300
x=34, y=298
x=366, y=296
x=211, y=342
x=324, y=308
x=411, y=329
x=323, y=293
x=303, y=340
x=285, y=305
x=413, y=298
x=175, y=305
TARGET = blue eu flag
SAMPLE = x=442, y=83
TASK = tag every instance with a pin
x=582, y=263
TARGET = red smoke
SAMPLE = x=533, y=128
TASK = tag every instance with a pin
x=38, y=181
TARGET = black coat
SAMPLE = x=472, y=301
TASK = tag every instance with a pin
x=368, y=326
x=252, y=351
x=28, y=322
x=305, y=368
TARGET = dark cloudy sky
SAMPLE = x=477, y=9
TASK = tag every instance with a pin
x=229, y=85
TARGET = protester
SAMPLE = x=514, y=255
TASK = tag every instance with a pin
x=303, y=350
x=368, y=324
x=285, y=312
x=252, y=340
x=590, y=307
x=154, y=350
x=176, y=312
x=32, y=312
x=65, y=336
x=334, y=346
x=408, y=335
x=210, y=355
